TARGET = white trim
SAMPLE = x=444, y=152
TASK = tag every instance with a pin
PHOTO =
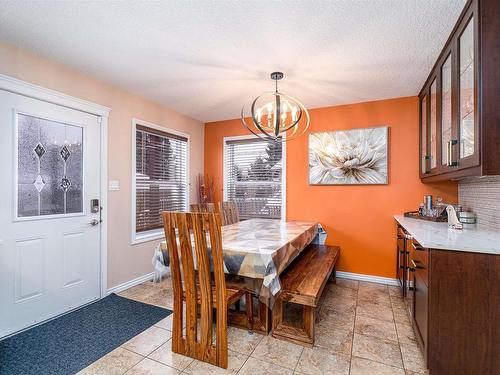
x=129, y=284
x=159, y=234
x=369, y=278
x=17, y=86
x=104, y=204
x=283, y=169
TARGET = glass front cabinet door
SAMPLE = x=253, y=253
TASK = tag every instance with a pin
x=449, y=120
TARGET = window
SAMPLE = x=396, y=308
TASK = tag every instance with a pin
x=254, y=176
x=160, y=180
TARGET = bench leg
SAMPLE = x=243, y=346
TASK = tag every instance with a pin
x=249, y=309
x=299, y=335
x=309, y=316
x=333, y=276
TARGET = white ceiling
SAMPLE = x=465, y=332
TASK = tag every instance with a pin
x=207, y=58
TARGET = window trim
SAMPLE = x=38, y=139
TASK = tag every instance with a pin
x=283, y=171
x=151, y=235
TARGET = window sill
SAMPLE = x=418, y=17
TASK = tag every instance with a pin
x=139, y=238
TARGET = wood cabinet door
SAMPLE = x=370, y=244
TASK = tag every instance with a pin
x=466, y=150
x=421, y=306
x=424, y=131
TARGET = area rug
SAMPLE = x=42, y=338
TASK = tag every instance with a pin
x=66, y=345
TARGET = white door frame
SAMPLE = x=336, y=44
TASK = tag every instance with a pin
x=17, y=86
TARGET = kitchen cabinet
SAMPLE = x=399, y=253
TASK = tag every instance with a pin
x=459, y=107
x=453, y=300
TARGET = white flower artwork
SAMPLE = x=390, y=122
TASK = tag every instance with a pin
x=348, y=157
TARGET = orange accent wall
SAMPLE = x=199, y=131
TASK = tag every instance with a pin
x=357, y=218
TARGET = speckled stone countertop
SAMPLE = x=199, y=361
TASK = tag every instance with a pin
x=438, y=236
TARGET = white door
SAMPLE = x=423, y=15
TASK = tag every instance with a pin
x=49, y=236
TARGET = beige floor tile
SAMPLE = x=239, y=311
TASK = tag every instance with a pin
x=235, y=361
x=319, y=361
x=341, y=292
x=334, y=340
x=114, y=363
x=406, y=335
x=241, y=341
x=377, y=328
x=166, y=323
x=401, y=316
x=375, y=296
x=413, y=358
x=372, y=286
x=149, y=367
x=278, y=352
x=378, y=350
x=394, y=290
x=398, y=304
x=340, y=304
x=165, y=355
x=147, y=341
x=254, y=366
x=347, y=283
x=336, y=320
x=377, y=311
x=361, y=366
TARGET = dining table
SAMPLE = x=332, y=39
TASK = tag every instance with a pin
x=259, y=250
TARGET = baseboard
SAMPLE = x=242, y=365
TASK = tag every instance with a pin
x=369, y=278
x=129, y=284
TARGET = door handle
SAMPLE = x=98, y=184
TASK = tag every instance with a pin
x=94, y=222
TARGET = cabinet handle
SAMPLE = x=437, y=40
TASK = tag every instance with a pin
x=424, y=164
x=449, y=153
x=417, y=246
x=416, y=264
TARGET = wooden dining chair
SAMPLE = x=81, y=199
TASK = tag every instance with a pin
x=229, y=212
x=203, y=207
x=195, y=286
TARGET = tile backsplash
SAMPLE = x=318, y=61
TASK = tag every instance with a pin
x=482, y=195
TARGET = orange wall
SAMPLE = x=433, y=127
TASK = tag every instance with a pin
x=357, y=218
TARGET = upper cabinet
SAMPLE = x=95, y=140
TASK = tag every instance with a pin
x=460, y=100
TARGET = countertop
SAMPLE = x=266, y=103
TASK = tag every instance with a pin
x=438, y=236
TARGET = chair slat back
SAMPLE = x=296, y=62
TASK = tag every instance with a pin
x=229, y=212
x=194, y=244
x=204, y=207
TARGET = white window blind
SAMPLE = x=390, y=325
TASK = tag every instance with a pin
x=161, y=176
x=253, y=177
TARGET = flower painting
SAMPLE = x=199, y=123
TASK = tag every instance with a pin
x=347, y=157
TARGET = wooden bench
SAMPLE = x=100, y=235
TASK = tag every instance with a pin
x=302, y=284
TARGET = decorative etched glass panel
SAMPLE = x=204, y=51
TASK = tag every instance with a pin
x=466, y=92
x=445, y=109
x=49, y=167
x=433, y=125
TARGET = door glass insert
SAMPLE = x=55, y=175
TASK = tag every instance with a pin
x=466, y=92
x=445, y=109
x=433, y=112
x=49, y=167
x=423, y=112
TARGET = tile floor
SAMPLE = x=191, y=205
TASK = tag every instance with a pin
x=362, y=329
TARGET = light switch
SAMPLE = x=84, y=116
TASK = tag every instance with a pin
x=113, y=185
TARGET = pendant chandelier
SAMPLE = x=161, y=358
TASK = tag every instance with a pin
x=275, y=116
